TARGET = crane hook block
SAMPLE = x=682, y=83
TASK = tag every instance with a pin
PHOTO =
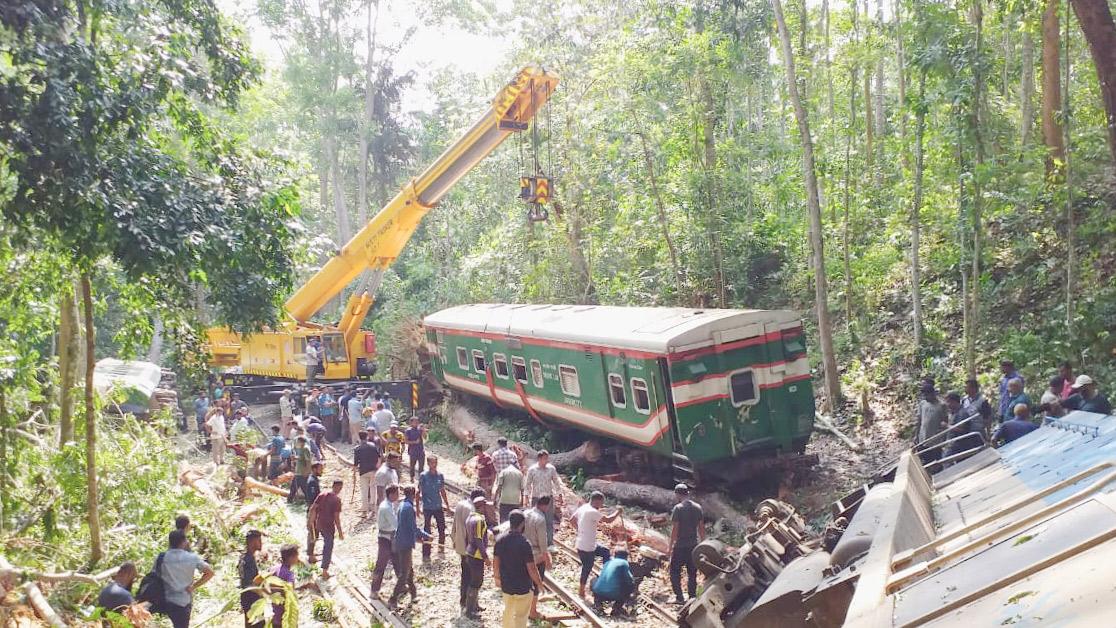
x=534, y=189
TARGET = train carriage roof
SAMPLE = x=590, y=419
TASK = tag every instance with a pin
x=652, y=329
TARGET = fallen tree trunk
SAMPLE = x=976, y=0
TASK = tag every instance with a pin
x=254, y=484
x=35, y=598
x=824, y=424
x=469, y=429
x=662, y=500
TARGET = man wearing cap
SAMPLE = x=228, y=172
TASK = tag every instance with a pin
x=386, y=476
x=1007, y=367
x=1020, y=425
x=687, y=530
x=585, y=521
x=1087, y=398
x=394, y=440
x=461, y=513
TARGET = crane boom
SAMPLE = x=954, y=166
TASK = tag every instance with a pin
x=380, y=241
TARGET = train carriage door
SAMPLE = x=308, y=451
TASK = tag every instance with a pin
x=770, y=382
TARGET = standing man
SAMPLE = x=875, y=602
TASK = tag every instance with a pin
x=387, y=522
x=535, y=531
x=201, y=407
x=327, y=406
x=476, y=556
x=325, y=518
x=461, y=513
x=356, y=416
x=366, y=458
x=383, y=418
x=311, y=360
x=177, y=573
x=687, y=530
x=302, y=460
x=403, y=548
x=247, y=569
x=543, y=481
x=515, y=573
x=433, y=499
x=274, y=451
x=503, y=457
x=238, y=405
x=509, y=490
x=314, y=482
x=312, y=408
x=217, y=435
x=286, y=412
x=1015, y=396
x=486, y=470
x=1007, y=369
x=974, y=403
x=347, y=393
x=416, y=446
x=931, y=418
x=393, y=441
x=585, y=521
x=385, y=477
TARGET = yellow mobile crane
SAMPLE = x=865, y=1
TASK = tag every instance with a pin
x=279, y=354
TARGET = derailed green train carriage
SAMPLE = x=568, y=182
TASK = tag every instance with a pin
x=716, y=391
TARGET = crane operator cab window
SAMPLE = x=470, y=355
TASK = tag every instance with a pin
x=334, y=346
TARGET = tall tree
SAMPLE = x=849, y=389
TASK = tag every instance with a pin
x=1095, y=17
x=916, y=212
x=69, y=354
x=92, y=512
x=1052, y=133
x=813, y=208
x=1026, y=88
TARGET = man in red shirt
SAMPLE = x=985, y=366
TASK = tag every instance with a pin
x=325, y=518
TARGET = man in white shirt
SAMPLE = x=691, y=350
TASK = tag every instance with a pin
x=585, y=520
x=383, y=418
x=385, y=477
x=239, y=426
x=354, y=410
x=217, y=433
x=311, y=361
x=387, y=522
x=542, y=480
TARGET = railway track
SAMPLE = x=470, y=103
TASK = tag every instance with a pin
x=657, y=609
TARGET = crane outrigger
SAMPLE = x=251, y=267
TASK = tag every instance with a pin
x=273, y=355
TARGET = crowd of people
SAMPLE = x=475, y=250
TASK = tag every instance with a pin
x=505, y=526
x=960, y=422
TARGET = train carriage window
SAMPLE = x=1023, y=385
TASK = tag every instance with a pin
x=519, y=367
x=742, y=388
x=478, y=361
x=536, y=373
x=500, y=364
x=640, y=397
x=462, y=359
x=616, y=390
x=567, y=376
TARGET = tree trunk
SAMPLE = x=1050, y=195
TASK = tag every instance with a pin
x=817, y=243
x=680, y=280
x=869, y=120
x=1052, y=134
x=978, y=201
x=92, y=516
x=366, y=118
x=1096, y=22
x=881, y=116
x=709, y=143
x=69, y=356
x=663, y=499
x=846, y=257
x=901, y=75
x=1027, y=90
x=340, y=211
x=1071, y=221
x=916, y=218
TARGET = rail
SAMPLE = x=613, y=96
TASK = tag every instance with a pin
x=656, y=609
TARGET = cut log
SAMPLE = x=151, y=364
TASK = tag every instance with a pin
x=254, y=484
x=662, y=500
